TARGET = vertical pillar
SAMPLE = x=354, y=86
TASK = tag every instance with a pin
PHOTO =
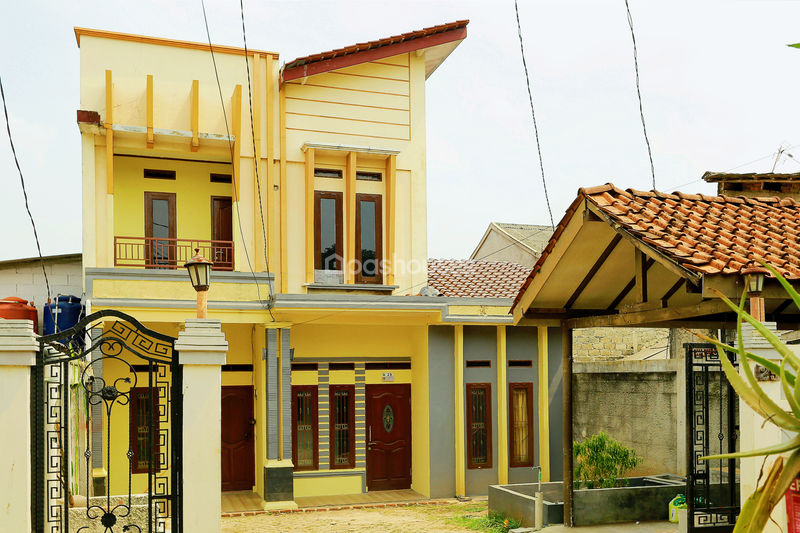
x=202, y=350
x=566, y=344
x=502, y=408
x=390, y=180
x=278, y=470
x=461, y=463
x=17, y=355
x=309, y=215
x=544, y=402
x=350, y=218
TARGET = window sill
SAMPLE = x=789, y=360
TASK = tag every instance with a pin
x=367, y=287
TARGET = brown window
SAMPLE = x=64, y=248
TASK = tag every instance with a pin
x=221, y=178
x=369, y=238
x=479, y=425
x=520, y=427
x=327, y=173
x=369, y=176
x=159, y=229
x=143, y=435
x=305, y=436
x=158, y=174
x=343, y=426
x=327, y=230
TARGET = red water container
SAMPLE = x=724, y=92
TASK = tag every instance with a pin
x=13, y=307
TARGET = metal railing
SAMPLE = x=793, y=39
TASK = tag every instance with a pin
x=156, y=252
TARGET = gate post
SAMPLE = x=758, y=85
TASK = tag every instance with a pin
x=18, y=347
x=202, y=350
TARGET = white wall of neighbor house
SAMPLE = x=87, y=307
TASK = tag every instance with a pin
x=499, y=247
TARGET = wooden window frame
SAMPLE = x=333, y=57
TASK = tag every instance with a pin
x=471, y=464
x=318, y=171
x=351, y=389
x=171, y=199
x=369, y=175
x=314, y=424
x=529, y=388
x=378, y=199
x=133, y=415
x=339, y=197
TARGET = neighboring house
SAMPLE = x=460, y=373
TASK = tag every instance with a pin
x=329, y=340
x=753, y=185
x=518, y=243
x=24, y=278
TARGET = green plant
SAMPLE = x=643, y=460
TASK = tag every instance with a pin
x=601, y=462
x=756, y=510
x=493, y=522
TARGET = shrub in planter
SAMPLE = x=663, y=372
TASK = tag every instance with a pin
x=601, y=462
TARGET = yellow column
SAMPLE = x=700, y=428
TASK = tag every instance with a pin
x=309, y=215
x=236, y=120
x=195, y=115
x=109, y=124
x=390, y=194
x=502, y=408
x=150, y=138
x=259, y=209
x=544, y=404
x=284, y=249
x=461, y=462
x=350, y=215
x=272, y=220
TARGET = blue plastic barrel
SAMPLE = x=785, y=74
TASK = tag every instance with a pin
x=67, y=311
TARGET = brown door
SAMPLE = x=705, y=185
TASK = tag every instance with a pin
x=238, y=457
x=221, y=230
x=388, y=436
x=159, y=229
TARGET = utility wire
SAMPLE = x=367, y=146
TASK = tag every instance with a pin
x=25, y=195
x=639, y=94
x=233, y=169
x=533, y=116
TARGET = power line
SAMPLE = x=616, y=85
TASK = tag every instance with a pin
x=639, y=94
x=25, y=195
x=533, y=116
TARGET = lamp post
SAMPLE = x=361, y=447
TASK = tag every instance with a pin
x=755, y=285
x=200, y=273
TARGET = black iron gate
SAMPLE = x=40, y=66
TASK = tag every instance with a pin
x=712, y=425
x=106, y=429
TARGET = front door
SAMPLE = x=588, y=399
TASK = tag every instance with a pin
x=389, y=436
x=159, y=229
x=221, y=230
x=238, y=457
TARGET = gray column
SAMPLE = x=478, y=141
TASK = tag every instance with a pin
x=286, y=391
x=272, y=394
x=323, y=416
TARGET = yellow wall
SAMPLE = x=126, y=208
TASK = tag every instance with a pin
x=328, y=486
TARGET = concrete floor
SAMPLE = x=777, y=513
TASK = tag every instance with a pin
x=630, y=527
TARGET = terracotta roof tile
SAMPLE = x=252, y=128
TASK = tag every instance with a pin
x=476, y=279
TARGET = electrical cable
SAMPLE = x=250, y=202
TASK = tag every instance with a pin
x=639, y=94
x=533, y=116
x=25, y=195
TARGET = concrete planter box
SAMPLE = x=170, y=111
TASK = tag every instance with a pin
x=644, y=498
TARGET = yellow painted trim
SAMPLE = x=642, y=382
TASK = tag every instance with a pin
x=218, y=49
x=502, y=408
x=272, y=220
x=255, y=103
x=310, y=215
x=305, y=377
x=544, y=404
x=236, y=111
x=150, y=139
x=109, y=123
x=390, y=180
x=195, y=115
x=284, y=252
x=461, y=463
x=350, y=215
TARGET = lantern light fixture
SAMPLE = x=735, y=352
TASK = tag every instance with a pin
x=199, y=269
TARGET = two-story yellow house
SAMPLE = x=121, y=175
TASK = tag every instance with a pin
x=305, y=184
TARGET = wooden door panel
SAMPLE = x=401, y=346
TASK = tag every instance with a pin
x=238, y=457
x=221, y=230
x=389, y=436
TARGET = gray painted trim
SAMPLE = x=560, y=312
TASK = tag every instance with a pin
x=174, y=304
x=286, y=377
x=351, y=360
x=290, y=300
x=217, y=276
x=353, y=287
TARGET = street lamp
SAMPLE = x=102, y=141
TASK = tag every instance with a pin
x=754, y=279
x=200, y=273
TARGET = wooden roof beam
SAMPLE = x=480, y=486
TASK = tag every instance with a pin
x=642, y=318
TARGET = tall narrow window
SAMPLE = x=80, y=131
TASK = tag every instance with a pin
x=343, y=426
x=143, y=435
x=520, y=416
x=327, y=230
x=479, y=425
x=369, y=238
x=159, y=229
x=305, y=437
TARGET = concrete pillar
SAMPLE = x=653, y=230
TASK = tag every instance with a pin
x=754, y=433
x=202, y=350
x=18, y=347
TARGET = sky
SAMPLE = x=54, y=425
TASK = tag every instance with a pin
x=719, y=89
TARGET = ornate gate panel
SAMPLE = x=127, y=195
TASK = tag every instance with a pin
x=128, y=375
x=712, y=425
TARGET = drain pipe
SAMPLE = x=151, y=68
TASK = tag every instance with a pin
x=538, y=510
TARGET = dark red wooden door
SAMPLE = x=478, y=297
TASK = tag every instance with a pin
x=388, y=436
x=221, y=230
x=238, y=456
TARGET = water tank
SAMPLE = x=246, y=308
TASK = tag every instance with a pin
x=13, y=307
x=66, y=310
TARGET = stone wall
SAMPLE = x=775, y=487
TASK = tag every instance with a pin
x=613, y=343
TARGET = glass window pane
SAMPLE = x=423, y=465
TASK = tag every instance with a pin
x=161, y=218
x=479, y=427
x=341, y=428
x=305, y=430
x=519, y=426
x=327, y=228
x=369, y=266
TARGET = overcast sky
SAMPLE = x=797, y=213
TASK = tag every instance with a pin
x=718, y=82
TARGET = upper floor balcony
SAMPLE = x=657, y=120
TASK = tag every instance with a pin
x=166, y=253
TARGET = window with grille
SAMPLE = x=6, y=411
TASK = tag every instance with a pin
x=143, y=429
x=342, y=398
x=304, y=427
x=520, y=416
x=479, y=425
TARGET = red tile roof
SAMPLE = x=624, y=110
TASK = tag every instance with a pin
x=476, y=279
x=705, y=234
x=386, y=47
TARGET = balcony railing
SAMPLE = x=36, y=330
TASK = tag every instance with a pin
x=153, y=252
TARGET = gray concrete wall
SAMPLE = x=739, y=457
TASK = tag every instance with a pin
x=441, y=411
x=522, y=344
